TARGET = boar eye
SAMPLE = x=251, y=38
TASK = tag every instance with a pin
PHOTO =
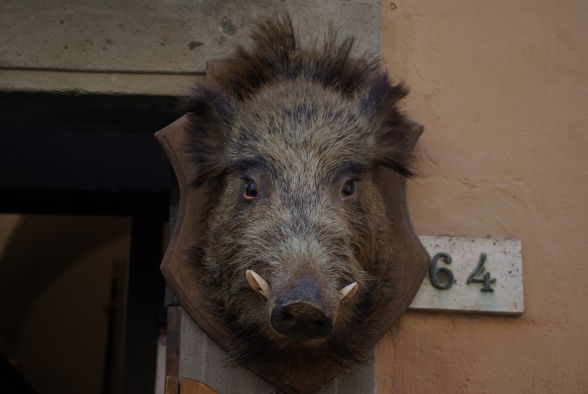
x=348, y=188
x=250, y=190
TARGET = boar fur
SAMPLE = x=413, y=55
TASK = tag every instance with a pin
x=304, y=126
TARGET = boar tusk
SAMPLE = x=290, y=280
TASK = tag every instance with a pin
x=348, y=291
x=257, y=283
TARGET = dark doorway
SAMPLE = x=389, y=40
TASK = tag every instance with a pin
x=69, y=158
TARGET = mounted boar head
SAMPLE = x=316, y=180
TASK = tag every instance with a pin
x=307, y=256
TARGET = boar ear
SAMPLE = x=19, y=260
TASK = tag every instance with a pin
x=210, y=114
x=396, y=135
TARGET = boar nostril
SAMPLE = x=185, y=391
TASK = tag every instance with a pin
x=301, y=320
x=319, y=324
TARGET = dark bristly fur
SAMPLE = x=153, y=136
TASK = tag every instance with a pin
x=277, y=55
x=300, y=122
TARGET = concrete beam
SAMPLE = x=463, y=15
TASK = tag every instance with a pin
x=167, y=41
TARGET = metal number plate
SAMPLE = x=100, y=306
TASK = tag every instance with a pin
x=483, y=275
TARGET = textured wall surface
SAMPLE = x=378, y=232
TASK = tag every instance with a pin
x=148, y=46
x=502, y=89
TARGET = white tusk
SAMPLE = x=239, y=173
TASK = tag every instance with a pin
x=257, y=283
x=348, y=291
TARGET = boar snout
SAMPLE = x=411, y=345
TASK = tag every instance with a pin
x=301, y=314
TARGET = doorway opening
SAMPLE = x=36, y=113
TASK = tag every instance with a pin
x=84, y=195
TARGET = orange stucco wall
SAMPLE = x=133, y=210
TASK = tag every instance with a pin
x=502, y=89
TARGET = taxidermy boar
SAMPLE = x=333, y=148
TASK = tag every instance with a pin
x=298, y=258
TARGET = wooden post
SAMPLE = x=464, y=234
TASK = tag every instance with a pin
x=201, y=359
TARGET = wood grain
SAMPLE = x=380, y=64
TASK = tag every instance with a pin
x=189, y=386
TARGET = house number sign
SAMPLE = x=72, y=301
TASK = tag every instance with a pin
x=481, y=275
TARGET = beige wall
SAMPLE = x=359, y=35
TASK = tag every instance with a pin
x=502, y=89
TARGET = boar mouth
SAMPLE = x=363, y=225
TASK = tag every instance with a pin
x=300, y=313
